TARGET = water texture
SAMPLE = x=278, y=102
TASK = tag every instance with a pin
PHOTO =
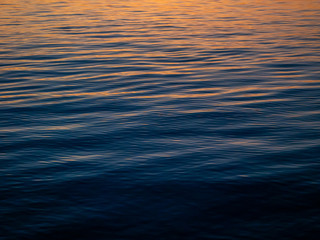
x=159, y=119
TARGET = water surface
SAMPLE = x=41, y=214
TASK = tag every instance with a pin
x=159, y=119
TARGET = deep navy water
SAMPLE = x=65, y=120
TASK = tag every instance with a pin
x=159, y=119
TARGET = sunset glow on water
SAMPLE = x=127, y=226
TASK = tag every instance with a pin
x=159, y=119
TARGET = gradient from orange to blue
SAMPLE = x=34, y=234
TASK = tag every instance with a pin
x=159, y=119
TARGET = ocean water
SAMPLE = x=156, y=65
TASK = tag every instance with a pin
x=159, y=119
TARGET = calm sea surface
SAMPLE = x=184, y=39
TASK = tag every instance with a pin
x=159, y=119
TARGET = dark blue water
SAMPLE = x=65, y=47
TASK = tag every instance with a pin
x=159, y=119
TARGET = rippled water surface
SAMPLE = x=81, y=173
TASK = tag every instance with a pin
x=159, y=119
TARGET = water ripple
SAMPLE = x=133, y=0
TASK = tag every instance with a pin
x=159, y=119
